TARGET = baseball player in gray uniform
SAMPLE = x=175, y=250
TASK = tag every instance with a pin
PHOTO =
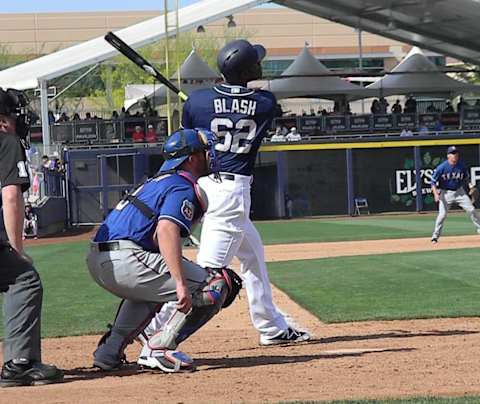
x=448, y=181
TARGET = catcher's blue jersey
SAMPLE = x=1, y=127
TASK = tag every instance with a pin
x=450, y=177
x=239, y=116
x=170, y=196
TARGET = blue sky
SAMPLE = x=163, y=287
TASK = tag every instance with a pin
x=48, y=6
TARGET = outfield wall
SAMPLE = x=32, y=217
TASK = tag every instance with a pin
x=324, y=179
x=319, y=178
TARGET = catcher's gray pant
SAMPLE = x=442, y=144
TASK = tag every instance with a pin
x=22, y=306
x=142, y=279
x=447, y=198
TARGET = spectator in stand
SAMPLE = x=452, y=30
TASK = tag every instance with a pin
x=375, y=108
x=336, y=108
x=51, y=118
x=431, y=108
x=324, y=112
x=76, y=117
x=45, y=165
x=449, y=107
x=278, y=111
x=406, y=132
x=461, y=105
x=312, y=112
x=293, y=135
x=423, y=129
x=284, y=131
x=63, y=117
x=383, y=105
x=410, y=105
x=115, y=115
x=30, y=223
x=88, y=116
x=138, y=135
x=304, y=113
x=278, y=136
x=396, y=108
x=438, y=126
x=151, y=136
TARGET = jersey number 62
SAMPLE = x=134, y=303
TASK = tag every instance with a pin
x=244, y=131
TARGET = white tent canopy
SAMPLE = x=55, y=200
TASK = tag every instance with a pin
x=30, y=74
x=305, y=64
x=194, y=74
x=428, y=80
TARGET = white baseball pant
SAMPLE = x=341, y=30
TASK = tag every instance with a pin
x=447, y=198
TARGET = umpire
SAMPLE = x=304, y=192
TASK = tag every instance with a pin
x=19, y=281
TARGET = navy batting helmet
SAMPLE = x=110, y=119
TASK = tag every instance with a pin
x=186, y=142
x=237, y=56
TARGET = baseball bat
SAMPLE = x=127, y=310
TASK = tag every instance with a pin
x=141, y=62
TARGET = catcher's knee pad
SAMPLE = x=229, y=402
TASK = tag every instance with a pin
x=219, y=290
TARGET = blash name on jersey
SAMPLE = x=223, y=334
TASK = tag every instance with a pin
x=238, y=106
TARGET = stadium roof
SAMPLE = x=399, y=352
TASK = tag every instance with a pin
x=449, y=27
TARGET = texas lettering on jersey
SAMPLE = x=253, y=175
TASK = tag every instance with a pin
x=240, y=117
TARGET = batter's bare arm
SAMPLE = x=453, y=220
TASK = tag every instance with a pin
x=169, y=241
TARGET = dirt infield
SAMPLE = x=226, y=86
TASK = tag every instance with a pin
x=345, y=361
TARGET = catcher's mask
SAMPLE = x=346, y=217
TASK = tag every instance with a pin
x=186, y=142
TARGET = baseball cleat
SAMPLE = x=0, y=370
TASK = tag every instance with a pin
x=22, y=372
x=434, y=240
x=168, y=361
x=288, y=336
x=106, y=360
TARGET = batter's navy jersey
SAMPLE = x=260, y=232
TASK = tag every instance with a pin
x=170, y=196
x=450, y=177
x=239, y=116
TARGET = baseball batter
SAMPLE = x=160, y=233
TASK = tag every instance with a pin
x=136, y=255
x=448, y=182
x=241, y=118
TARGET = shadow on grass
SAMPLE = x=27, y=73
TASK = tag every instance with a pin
x=262, y=360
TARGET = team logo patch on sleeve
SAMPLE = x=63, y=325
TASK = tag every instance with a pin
x=187, y=209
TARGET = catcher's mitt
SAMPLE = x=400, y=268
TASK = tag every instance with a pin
x=473, y=193
x=234, y=285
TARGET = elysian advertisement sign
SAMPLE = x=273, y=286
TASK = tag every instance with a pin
x=405, y=180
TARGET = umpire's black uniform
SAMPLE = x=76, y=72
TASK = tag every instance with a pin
x=19, y=280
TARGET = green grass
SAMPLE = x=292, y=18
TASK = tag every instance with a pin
x=415, y=400
x=360, y=228
x=73, y=304
x=337, y=289
x=392, y=286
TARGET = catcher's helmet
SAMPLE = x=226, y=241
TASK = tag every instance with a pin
x=237, y=56
x=185, y=142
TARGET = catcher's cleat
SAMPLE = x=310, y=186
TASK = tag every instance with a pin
x=22, y=372
x=434, y=240
x=290, y=335
x=107, y=360
x=167, y=361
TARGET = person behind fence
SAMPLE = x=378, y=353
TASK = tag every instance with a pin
x=136, y=255
x=19, y=281
x=448, y=182
x=30, y=223
x=278, y=135
x=293, y=135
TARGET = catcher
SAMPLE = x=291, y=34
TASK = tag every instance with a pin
x=448, y=181
x=136, y=255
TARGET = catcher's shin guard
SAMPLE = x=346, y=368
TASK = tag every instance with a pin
x=206, y=302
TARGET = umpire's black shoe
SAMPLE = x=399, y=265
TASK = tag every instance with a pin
x=22, y=372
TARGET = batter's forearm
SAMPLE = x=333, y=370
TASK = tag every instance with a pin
x=13, y=213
